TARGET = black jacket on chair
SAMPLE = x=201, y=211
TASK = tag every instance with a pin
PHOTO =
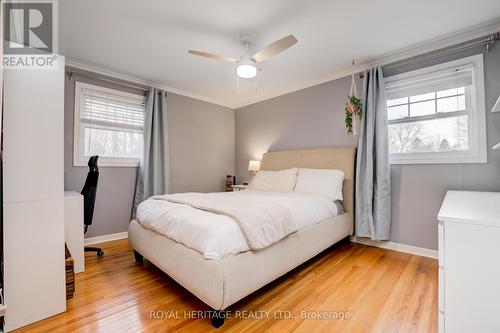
x=89, y=193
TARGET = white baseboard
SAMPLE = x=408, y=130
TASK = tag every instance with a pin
x=105, y=238
x=419, y=251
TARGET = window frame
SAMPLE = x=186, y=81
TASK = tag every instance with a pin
x=477, y=152
x=78, y=150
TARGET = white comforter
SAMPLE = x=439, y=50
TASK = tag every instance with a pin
x=218, y=231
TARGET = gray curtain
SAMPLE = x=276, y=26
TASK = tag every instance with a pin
x=373, y=183
x=153, y=173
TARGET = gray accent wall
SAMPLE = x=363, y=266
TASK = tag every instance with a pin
x=313, y=117
x=202, y=149
x=307, y=118
x=201, y=139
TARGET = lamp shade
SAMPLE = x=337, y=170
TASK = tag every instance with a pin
x=254, y=166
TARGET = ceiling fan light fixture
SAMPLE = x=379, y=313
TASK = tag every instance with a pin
x=245, y=64
x=246, y=71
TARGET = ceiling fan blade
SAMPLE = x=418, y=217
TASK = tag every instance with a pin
x=274, y=48
x=213, y=56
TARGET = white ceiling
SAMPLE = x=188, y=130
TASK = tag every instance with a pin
x=149, y=39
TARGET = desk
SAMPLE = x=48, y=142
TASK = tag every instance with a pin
x=73, y=227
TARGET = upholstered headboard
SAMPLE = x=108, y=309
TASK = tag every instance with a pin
x=341, y=158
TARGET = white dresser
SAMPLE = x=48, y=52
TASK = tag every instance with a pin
x=469, y=262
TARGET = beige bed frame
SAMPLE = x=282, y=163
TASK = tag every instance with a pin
x=221, y=283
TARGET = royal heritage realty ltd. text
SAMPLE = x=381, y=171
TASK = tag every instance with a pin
x=242, y=314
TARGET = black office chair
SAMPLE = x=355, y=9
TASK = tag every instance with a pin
x=89, y=191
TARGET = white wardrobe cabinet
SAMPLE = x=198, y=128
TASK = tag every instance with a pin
x=33, y=194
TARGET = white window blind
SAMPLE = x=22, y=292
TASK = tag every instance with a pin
x=444, y=80
x=110, y=110
x=108, y=123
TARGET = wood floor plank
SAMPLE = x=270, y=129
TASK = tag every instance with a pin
x=382, y=290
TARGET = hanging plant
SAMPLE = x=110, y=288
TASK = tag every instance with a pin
x=354, y=108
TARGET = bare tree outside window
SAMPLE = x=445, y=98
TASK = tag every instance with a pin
x=405, y=137
x=430, y=122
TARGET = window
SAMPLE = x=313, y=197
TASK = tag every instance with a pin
x=108, y=123
x=437, y=114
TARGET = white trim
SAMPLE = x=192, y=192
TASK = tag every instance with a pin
x=108, y=162
x=78, y=159
x=132, y=79
x=477, y=116
x=105, y=238
x=419, y=251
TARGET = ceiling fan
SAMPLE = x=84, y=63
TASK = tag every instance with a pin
x=246, y=68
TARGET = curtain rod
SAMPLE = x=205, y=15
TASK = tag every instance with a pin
x=119, y=82
x=486, y=41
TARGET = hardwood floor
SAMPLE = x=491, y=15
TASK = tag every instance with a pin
x=382, y=291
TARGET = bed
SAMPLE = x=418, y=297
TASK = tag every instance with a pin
x=222, y=282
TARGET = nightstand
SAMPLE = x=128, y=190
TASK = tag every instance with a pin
x=239, y=187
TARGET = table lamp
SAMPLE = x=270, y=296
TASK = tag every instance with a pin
x=254, y=166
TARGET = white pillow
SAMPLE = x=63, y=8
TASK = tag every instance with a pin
x=275, y=181
x=325, y=182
